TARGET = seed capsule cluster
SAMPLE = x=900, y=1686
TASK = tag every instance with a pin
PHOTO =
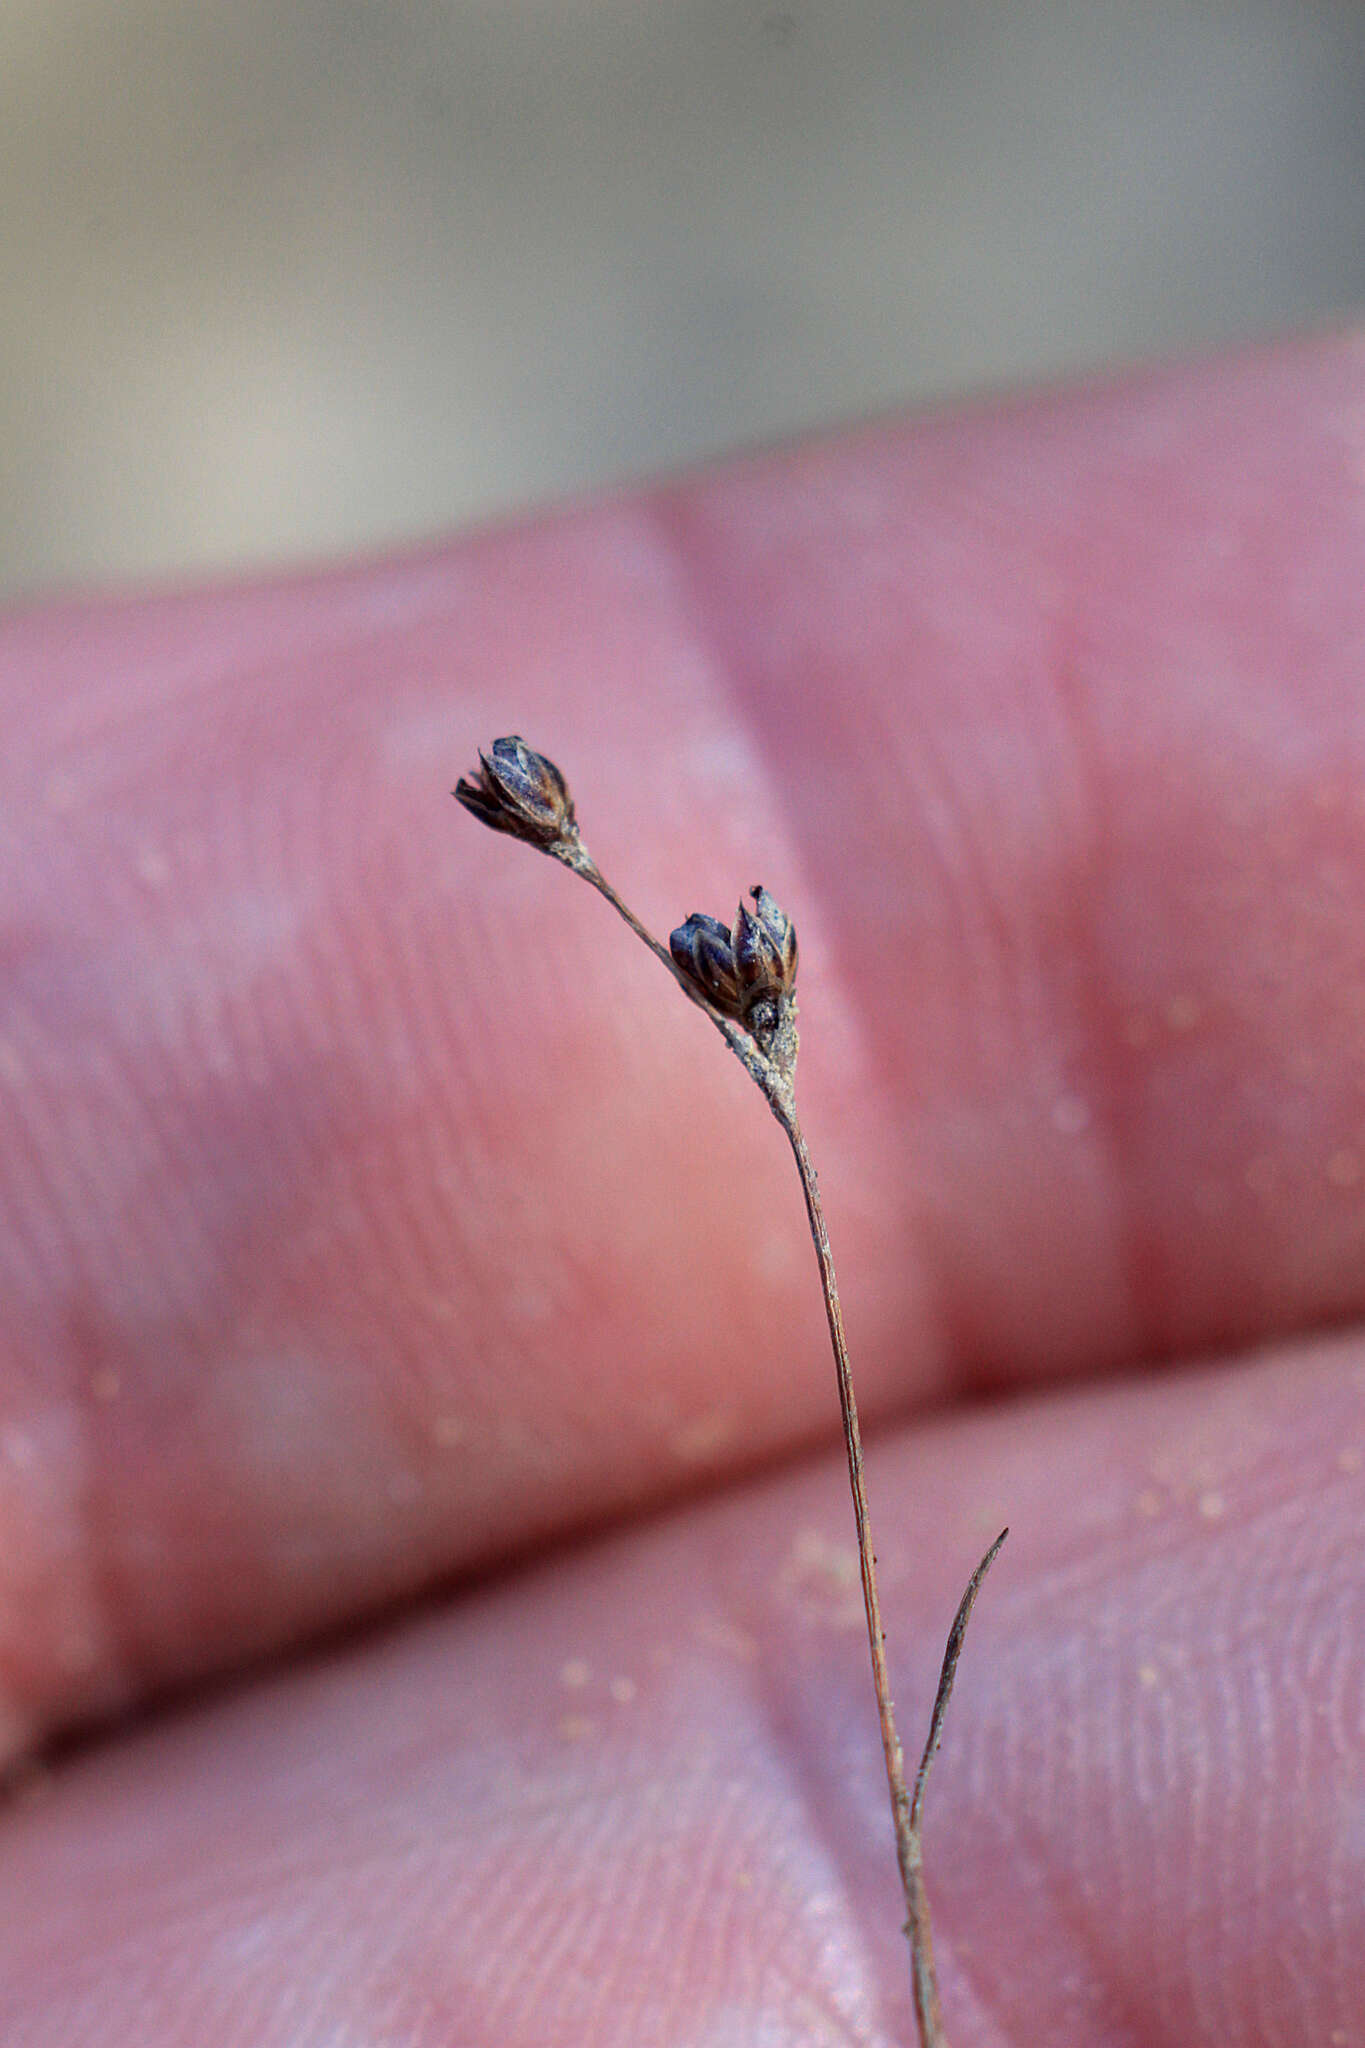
x=745, y=971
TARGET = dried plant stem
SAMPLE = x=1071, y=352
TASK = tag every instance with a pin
x=577, y=857
x=921, y=1953
x=745, y=984
x=907, y=1813
x=760, y=1070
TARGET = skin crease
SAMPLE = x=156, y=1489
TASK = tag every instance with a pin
x=374, y=1219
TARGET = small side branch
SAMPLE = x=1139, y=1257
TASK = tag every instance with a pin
x=918, y=1926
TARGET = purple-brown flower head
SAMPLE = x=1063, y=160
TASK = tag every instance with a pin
x=764, y=948
x=703, y=956
x=517, y=790
x=745, y=974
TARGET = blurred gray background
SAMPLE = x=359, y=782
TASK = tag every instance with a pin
x=282, y=279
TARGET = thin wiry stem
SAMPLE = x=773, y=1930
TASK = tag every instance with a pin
x=853, y=1441
x=575, y=856
x=907, y=1813
x=520, y=792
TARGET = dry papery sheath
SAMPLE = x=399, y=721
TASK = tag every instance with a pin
x=744, y=977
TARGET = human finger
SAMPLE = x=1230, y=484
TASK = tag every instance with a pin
x=374, y=1210
x=635, y=1796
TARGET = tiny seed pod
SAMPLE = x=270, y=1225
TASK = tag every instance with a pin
x=519, y=791
x=703, y=955
x=764, y=946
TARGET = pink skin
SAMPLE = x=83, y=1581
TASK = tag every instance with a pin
x=372, y=1213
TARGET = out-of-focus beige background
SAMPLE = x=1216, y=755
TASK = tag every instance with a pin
x=280, y=279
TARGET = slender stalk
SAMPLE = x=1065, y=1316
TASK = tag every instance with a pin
x=907, y=1812
x=761, y=1071
x=867, y=1557
x=745, y=982
x=577, y=857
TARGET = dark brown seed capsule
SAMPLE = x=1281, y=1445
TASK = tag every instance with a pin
x=517, y=790
x=702, y=954
x=764, y=949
